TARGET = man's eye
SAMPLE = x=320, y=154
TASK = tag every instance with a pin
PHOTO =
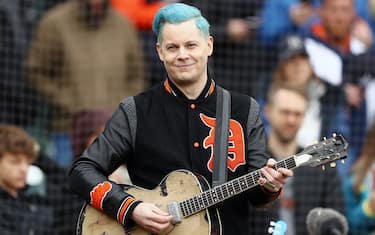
x=171, y=47
x=191, y=45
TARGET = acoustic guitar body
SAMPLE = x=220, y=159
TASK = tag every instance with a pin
x=175, y=187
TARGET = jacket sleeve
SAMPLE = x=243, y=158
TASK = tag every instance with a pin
x=88, y=175
x=257, y=155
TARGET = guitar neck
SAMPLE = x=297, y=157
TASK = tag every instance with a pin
x=227, y=190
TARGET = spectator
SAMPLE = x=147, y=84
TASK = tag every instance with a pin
x=87, y=125
x=294, y=68
x=359, y=190
x=141, y=13
x=14, y=95
x=279, y=18
x=328, y=42
x=366, y=10
x=310, y=187
x=236, y=58
x=55, y=194
x=359, y=72
x=17, y=152
x=84, y=55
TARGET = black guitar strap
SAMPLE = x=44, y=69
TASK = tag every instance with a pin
x=223, y=107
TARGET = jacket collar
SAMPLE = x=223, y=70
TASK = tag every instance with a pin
x=173, y=90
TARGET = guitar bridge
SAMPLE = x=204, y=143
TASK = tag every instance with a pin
x=175, y=212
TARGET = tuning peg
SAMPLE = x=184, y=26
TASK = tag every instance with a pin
x=334, y=135
x=324, y=138
x=332, y=164
x=323, y=167
x=343, y=161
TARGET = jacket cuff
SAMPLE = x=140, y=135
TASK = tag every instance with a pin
x=125, y=211
x=272, y=195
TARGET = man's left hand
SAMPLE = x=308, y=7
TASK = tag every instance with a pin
x=273, y=180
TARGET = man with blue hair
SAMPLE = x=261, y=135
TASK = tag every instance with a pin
x=171, y=127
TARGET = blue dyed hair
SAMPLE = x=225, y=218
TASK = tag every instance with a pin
x=177, y=13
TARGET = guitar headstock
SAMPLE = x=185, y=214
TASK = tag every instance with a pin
x=326, y=151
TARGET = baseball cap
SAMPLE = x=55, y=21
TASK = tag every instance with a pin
x=290, y=46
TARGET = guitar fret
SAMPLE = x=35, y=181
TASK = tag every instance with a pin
x=205, y=199
x=225, y=191
x=230, y=188
x=200, y=201
x=193, y=207
x=237, y=187
x=257, y=174
x=214, y=196
x=188, y=206
x=197, y=204
x=219, y=192
x=182, y=208
x=209, y=197
x=242, y=183
x=250, y=179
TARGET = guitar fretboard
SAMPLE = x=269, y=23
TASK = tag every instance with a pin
x=222, y=192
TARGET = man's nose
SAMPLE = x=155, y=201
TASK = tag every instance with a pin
x=183, y=53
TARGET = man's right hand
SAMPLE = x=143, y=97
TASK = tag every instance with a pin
x=151, y=218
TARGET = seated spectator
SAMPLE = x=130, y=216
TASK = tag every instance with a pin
x=360, y=191
x=18, y=215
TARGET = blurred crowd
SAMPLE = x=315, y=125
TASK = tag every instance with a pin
x=65, y=65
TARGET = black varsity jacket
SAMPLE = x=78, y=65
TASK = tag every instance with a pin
x=160, y=131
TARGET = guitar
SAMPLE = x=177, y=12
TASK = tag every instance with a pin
x=190, y=199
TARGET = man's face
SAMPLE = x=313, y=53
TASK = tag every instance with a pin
x=94, y=11
x=285, y=114
x=13, y=171
x=337, y=17
x=298, y=70
x=184, y=52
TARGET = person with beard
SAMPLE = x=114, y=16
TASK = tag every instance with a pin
x=309, y=187
x=83, y=55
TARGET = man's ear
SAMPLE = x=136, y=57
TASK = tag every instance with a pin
x=160, y=51
x=210, y=42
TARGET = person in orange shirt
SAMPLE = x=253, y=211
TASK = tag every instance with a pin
x=140, y=12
